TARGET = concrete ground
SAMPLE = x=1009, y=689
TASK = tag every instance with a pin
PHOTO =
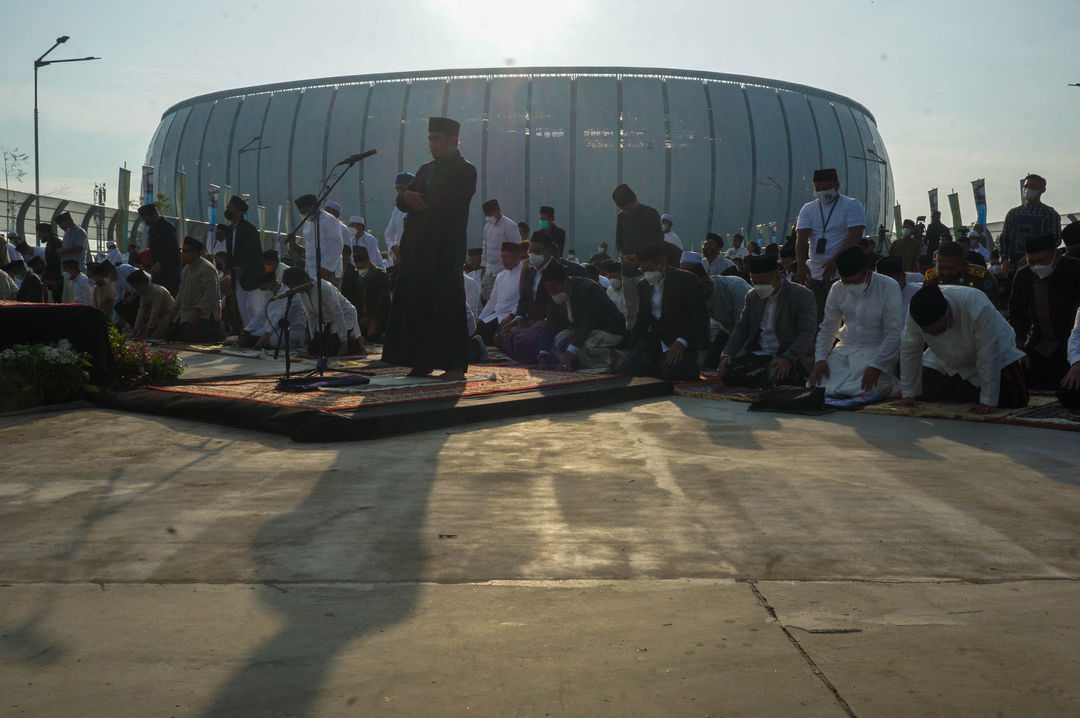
x=670, y=558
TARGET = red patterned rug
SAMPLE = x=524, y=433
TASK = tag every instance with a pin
x=480, y=381
x=716, y=390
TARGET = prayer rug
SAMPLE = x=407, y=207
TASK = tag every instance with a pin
x=946, y=410
x=1051, y=416
x=717, y=390
x=386, y=388
x=852, y=403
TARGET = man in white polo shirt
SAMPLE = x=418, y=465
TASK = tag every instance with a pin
x=827, y=226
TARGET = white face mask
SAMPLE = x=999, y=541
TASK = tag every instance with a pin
x=1042, y=271
x=353, y=231
x=653, y=277
x=764, y=290
x=856, y=290
x=827, y=196
x=1031, y=194
x=907, y=231
x=536, y=259
x=560, y=298
x=995, y=269
x=616, y=283
x=489, y=220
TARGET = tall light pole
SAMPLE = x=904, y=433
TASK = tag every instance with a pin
x=247, y=148
x=39, y=63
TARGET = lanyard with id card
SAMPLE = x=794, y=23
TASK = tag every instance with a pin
x=819, y=248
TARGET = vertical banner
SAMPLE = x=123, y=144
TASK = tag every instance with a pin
x=181, y=197
x=211, y=207
x=261, y=211
x=979, y=188
x=954, y=205
x=226, y=196
x=933, y=200
x=1022, y=191
x=123, y=192
x=898, y=221
x=147, y=184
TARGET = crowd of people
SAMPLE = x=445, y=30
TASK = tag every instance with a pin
x=931, y=317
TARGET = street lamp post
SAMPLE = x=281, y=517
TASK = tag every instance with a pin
x=247, y=148
x=39, y=63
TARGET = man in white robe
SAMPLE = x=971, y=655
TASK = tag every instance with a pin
x=338, y=315
x=893, y=267
x=868, y=305
x=971, y=353
x=360, y=237
x=504, y=294
x=330, y=241
x=396, y=226
x=267, y=334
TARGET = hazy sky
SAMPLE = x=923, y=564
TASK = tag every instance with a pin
x=960, y=90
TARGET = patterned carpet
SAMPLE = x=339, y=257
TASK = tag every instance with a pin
x=388, y=386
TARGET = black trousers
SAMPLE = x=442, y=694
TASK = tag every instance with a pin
x=1046, y=372
x=1069, y=398
x=716, y=349
x=648, y=360
x=753, y=370
x=487, y=330
x=204, y=331
x=940, y=387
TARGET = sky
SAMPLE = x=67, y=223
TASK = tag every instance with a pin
x=960, y=89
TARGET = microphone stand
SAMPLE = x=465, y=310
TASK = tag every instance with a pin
x=284, y=337
x=315, y=214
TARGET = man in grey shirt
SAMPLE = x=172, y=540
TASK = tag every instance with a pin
x=74, y=243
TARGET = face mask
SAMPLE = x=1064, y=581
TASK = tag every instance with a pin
x=489, y=220
x=616, y=284
x=601, y=250
x=653, y=278
x=353, y=231
x=1042, y=271
x=544, y=224
x=536, y=259
x=764, y=290
x=827, y=196
x=907, y=231
x=995, y=269
x=560, y=298
x=1031, y=194
x=856, y=290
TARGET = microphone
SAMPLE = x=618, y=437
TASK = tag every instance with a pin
x=353, y=159
x=294, y=291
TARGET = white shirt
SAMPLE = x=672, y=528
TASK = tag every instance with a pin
x=367, y=241
x=768, y=342
x=275, y=310
x=840, y=216
x=77, y=290
x=472, y=293
x=335, y=310
x=737, y=252
x=978, y=345
x=13, y=254
x=394, y=228
x=505, y=230
x=672, y=238
x=331, y=243
x=1074, y=341
x=907, y=293
x=114, y=257
x=718, y=266
x=871, y=321
x=504, y=296
x=617, y=296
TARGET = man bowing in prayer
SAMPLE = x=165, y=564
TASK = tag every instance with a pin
x=427, y=327
x=872, y=313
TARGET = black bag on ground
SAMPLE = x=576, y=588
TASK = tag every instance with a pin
x=791, y=400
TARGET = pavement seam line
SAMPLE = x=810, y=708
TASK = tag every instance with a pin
x=764, y=602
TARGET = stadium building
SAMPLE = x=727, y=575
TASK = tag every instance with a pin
x=722, y=153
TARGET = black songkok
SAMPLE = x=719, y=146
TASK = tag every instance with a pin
x=1041, y=243
x=623, y=195
x=762, y=263
x=1071, y=234
x=549, y=211
x=490, y=207
x=193, y=244
x=265, y=278
x=826, y=175
x=237, y=202
x=850, y=262
x=445, y=125
x=511, y=247
x=655, y=252
x=928, y=305
x=476, y=252
x=890, y=266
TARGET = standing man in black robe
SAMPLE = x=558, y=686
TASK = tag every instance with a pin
x=164, y=249
x=244, y=246
x=427, y=327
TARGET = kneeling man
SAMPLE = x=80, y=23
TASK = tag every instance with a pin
x=971, y=355
x=340, y=333
x=773, y=340
x=871, y=310
x=588, y=324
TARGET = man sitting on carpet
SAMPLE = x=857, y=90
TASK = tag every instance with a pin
x=268, y=334
x=1042, y=307
x=155, y=307
x=893, y=268
x=77, y=289
x=971, y=355
x=589, y=326
x=725, y=296
x=505, y=293
x=1069, y=391
x=340, y=334
x=869, y=306
x=773, y=341
x=198, y=302
x=372, y=292
x=671, y=325
x=30, y=287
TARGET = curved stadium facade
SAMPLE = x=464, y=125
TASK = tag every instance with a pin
x=722, y=153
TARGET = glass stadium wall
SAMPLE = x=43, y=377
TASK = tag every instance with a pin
x=722, y=153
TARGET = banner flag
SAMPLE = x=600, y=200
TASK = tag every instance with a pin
x=954, y=205
x=226, y=196
x=1022, y=190
x=277, y=234
x=123, y=199
x=262, y=226
x=933, y=200
x=898, y=221
x=211, y=206
x=181, y=195
x=979, y=188
x=147, y=184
